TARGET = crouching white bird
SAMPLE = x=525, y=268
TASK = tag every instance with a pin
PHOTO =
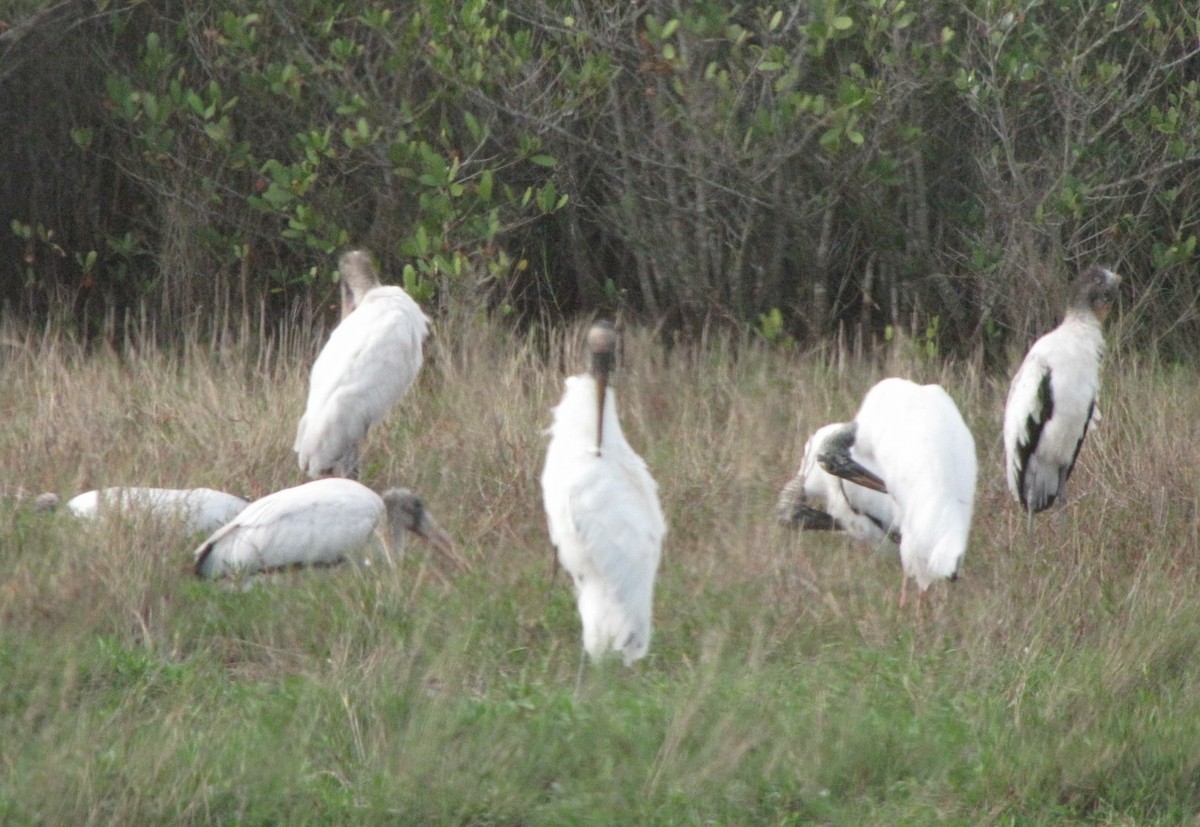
x=319, y=523
x=370, y=361
x=910, y=442
x=1052, y=398
x=200, y=509
x=603, y=511
x=816, y=500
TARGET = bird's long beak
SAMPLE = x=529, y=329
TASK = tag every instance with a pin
x=835, y=458
x=859, y=475
x=602, y=341
x=430, y=531
x=601, y=392
x=348, y=302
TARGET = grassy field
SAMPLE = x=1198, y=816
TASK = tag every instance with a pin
x=1057, y=682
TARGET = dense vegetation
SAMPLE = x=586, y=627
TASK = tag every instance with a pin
x=1055, y=683
x=800, y=169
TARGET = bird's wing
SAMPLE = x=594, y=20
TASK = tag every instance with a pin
x=614, y=509
x=1029, y=407
x=315, y=523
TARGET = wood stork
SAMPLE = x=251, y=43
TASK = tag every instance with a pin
x=816, y=500
x=923, y=456
x=602, y=509
x=201, y=509
x=321, y=522
x=1052, y=398
x=371, y=359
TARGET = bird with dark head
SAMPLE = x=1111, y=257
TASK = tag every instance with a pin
x=320, y=523
x=371, y=360
x=924, y=459
x=1052, y=399
x=602, y=510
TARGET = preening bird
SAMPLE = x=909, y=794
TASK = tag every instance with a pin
x=370, y=361
x=602, y=509
x=322, y=522
x=201, y=509
x=1052, y=398
x=910, y=442
x=816, y=500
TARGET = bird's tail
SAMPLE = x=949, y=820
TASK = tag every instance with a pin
x=609, y=626
x=204, y=561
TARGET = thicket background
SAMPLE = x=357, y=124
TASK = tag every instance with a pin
x=834, y=166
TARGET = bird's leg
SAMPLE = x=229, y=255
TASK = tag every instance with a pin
x=903, y=589
x=922, y=602
x=579, y=674
x=554, y=565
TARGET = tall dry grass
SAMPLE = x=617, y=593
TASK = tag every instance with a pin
x=1056, y=682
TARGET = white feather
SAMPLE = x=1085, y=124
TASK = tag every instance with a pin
x=369, y=362
x=916, y=437
x=201, y=509
x=605, y=520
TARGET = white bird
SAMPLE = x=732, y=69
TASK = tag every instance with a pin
x=200, y=509
x=816, y=500
x=1052, y=398
x=370, y=361
x=322, y=522
x=924, y=458
x=602, y=509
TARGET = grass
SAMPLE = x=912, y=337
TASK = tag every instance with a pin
x=1055, y=683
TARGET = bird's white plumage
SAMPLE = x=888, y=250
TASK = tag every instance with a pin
x=320, y=522
x=923, y=450
x=605, y=521
x=1051, y=405
x=866, y=515
x=370, y=361
x=201, y=509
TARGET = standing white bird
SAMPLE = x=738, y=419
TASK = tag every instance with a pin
x=602, y=509
x=816, y=500
x=370, y=361
x=924, y=458
x=319, y=523
x=1052, y=399
x=201, y=509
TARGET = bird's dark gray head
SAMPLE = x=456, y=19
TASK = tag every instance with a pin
x=358, y=276
x=835, y=458
x=406, y=512
x=602, y=344
x=1096, y=290
x=46, y=502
